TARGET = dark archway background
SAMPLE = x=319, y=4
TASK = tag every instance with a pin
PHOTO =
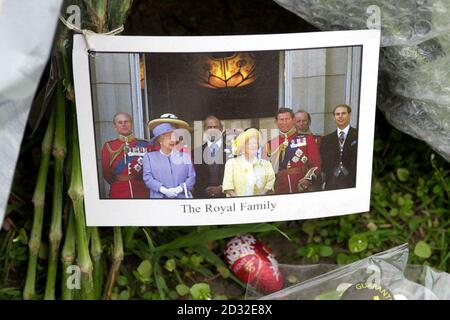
x=173, y=87
x=211, y=17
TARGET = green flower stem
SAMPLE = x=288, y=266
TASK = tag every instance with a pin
x=59, y=152
x=77, y=196
x=159, y=279
x=68, y=257
x=117, y=260
x=38, y=200
x=177, y=275
x=96, y=254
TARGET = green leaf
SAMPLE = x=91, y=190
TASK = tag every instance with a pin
x=149, y=240
x=195, y=239
x=182, y=289
x=422, y=250
x=393, y=212
x=184, y=260
x=200, y=291
x=209, y=256
x=402, y=174
x=122, y=281
x=317, y=239
x=378, y=144
x=302, y=252
x=325, y=251
x=128, y=233
x=22, y=237
x=310, y=251
x=114, y=296
x=148, y=296
x=414, y=223
x=196, y=260
x=145, y=271
x=173, y=295
x=161, y=285
x=358, y=243
x=124, y=295
x=224, y=272
x=437, y=189
x=308, y=228
x=212, y=258
x=170, y=265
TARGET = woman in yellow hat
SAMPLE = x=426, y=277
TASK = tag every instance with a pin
x=247, y=175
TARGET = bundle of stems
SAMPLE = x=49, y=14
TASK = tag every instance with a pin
x=34, y=243
x=81, y=244
x=59, y=152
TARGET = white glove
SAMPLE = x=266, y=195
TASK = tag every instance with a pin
x=169, y=193
x=178, y=189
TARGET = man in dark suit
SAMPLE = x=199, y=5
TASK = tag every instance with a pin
x=338, y=151
x=210, y=170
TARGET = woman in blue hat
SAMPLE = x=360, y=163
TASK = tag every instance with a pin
x=168, y=172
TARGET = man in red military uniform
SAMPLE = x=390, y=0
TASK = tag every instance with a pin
x=122, y=161
x=294, y=156
x=302, y=121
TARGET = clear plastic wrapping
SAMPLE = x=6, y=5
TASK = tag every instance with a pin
x=384, y=276
x=403, y=22
x=414, y=63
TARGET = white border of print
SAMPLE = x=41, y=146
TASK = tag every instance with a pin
x=157, y=212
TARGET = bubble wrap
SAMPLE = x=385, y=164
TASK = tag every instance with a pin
x=414, y=81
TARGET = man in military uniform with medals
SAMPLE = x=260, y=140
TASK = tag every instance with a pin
x=294, y=156
x=302, y=120
x=122, y=161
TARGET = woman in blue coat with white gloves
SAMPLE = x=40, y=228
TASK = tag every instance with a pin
x=168, y=172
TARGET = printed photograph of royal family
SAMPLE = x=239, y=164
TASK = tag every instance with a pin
x=225, y=124
x=225, y=129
